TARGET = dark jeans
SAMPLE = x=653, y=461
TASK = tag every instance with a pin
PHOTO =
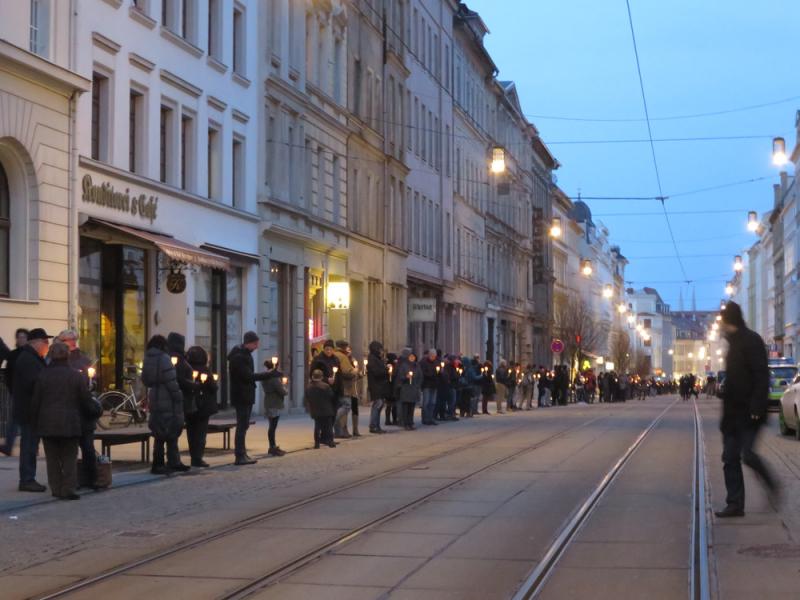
x=11, y=435
x=242, y=425
x=391, y=412
x=196, y=433
x=88, y=457
x=273, y=425
x=440, y=411
x=28, y=451
x=62, y=465
x=323, y=430
x=737, y=447
x=173, y=456
x=408, y=414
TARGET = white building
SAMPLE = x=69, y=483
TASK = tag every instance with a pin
x=649, y=309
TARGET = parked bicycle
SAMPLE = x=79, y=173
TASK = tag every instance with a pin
x=120, y=409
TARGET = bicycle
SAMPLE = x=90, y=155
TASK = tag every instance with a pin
x=121, y=409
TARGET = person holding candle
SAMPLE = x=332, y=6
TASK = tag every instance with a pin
x=275, y=390
x=205, y=399
x=392, y=409
x=319, y=402
x=345, y=385
x=378, y=385
x=430, y=385
x=408, y=385
x=488, y=388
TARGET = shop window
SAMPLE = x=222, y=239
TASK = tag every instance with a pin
x=40, y=27
x=113, y=299
x=5, y=233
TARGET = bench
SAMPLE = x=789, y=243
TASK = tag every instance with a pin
x=224, y=427
x=127, y=435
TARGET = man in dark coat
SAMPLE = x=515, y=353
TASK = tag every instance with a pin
x=60, y=398
x=10, y=356
x=319, y=401
x=378, y=385
x=243, y=378
x=27, y=367
x=744, y=408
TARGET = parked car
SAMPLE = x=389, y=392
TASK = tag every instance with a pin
x=788, y=419
x=781, y=374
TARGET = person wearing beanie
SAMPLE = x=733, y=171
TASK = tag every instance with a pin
x=319, y=402
x=744, y=408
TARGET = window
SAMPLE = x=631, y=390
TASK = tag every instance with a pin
x=39, y=27
x=100, y=105
x=238, y=41
x=357, y=87
x=214, y=167
x=338, y=56
x=187, y=152
x=136, y=132
x=336, y=190
x=215, y=29
x=166, y=145
x=5, y=234
x=238, y=172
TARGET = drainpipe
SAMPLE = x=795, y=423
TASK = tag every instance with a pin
x=72, y=213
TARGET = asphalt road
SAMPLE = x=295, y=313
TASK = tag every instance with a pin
x=464, y=510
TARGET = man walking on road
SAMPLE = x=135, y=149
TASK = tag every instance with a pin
x=744, y=408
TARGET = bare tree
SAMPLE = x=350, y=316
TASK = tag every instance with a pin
x=577, y=328
x=643, y=364
x=621, y=350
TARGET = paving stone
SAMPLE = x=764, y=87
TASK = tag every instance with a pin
x=612, y=555
x=495, y=578
x=380, y=543
x=304, y=591
x=415, y=523
x=25, y=586
x=379, y=571
x=616, y=584
x=130, y=587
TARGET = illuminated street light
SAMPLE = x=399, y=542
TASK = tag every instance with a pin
x=586, y=267
x=779, y=157
x=631, y=319
x=719, y=318
x=691, y=355
x=622, y=308
x=722, y=306
x=752, y=221
x=640, y=328
x=555, y=228
x=670, y=351
x=729, y=290
x=498, y=161
x=738, y=265
x=719, y=351
x=715, y=326
x=608, y=291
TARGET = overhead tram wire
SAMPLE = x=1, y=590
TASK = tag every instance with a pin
x=652, y=144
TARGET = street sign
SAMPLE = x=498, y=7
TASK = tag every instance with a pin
x=557, y=346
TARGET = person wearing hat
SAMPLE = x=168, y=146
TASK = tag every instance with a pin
x=243, y=378
x=319, y=402
x=744, y=408
x=10, y=357
x=27, y=367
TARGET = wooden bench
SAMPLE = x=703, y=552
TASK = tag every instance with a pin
x=224, y=427
x=127, y=435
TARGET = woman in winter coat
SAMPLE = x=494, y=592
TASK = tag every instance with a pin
x=321, y=407
x=275, y=391
x=60, y=399
x=166, y=406
x=205, y=402
x=408, y=386
x=393, y=412
x=488, y=388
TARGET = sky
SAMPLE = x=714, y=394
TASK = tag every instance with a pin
x=574, y=59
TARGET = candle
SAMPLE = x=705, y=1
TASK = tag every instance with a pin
x=335, y=370
x=411, y=374
x=284, y=380
x=274, y=360
x=441, y=364
x=174, y=360
x=215, y=376
x=91, y=372
x=203, y=377
x=438, y=369
x=195, y=374
x=366, y=362
x=355, y=364
x=390, y=369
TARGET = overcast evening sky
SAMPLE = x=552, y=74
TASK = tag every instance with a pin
x=574, y=58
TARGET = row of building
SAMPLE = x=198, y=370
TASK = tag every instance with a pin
x=306, y=169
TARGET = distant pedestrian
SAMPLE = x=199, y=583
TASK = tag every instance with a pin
x=60, y=398
x=10, y=356
x=320, y=404
x=344, y=385
x=430, y=369
x=488, y=388
x=378, y=385
x=243, y=378
x=408, y=386
x=28, y=365
x=275, y=391
x=744, y=408
x=205, y=400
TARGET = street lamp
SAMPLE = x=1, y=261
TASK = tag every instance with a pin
x=729, y=289
x=738, y=265
x=608, y=291
x=586, y=267
x=498, y=161
x=631, y=320
x=555, y=228
x=691, y=354
x=622, y=308
x=779, y=157
x=670, y=351
x=752, y=221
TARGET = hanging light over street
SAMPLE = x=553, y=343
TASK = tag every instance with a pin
x=752, y=221
x=738, y=265
x=670, y=351
x=555, y=228
x=729, y=289
x=779, y=157
x=608, y=291
x=586, y=267
x=498, y=161
x=622, y=308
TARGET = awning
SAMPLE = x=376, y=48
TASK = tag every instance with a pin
x=234, y=255
x=174, y=249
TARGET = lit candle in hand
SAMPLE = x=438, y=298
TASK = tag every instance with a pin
x=203, y=377
x=274, y=360
x=355, y=364
x=174, y=360
x=195, y=375
x=284, y=380
x=215, y=376
x=335, y=371
x=91, y=372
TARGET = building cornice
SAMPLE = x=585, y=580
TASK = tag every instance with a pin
x=41, y=71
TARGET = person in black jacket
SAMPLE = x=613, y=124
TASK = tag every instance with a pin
x=393, y=411
x=319, y=401
x=61, y=395
x=205, y=400
x=378, y=384
x=9, y=356
x=744, y=408
x=188, y=384
x=27, y=367
x=430, y=385
x=243, y=378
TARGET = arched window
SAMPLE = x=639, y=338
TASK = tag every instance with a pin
x=5, y=232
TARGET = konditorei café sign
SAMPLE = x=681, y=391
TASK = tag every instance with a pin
x=141, y=205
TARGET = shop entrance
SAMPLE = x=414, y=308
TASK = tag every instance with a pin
x=113, y=302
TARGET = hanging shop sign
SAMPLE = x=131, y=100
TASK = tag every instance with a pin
x=422, y=310
x=540, y=231
x=105, y=194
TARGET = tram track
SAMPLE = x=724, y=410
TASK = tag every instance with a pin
x=299, y=562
